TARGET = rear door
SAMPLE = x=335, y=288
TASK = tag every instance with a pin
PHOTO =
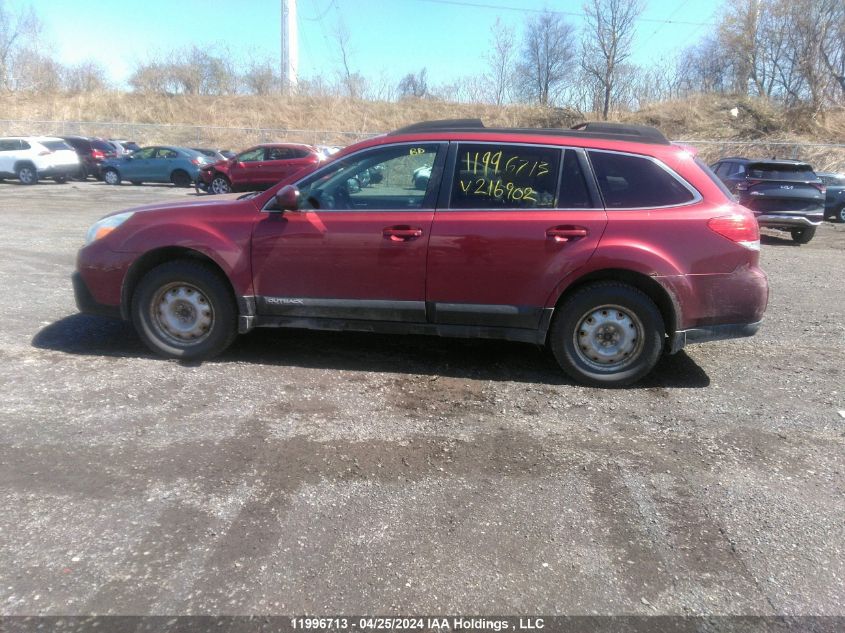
x=9, y=148
x=513, y=221
x=283, y=162
x=167, y=160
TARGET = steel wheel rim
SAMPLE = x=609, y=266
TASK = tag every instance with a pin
x=26, y=175
x=181, y=314
x=842, y=214
x=608, y=338
x=218, y=185
x=111, y=177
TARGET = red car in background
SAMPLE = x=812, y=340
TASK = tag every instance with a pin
x=257, y=168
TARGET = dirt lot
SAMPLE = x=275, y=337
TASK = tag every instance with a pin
x=322, y=473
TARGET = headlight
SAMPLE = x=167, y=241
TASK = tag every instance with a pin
x=103, y=227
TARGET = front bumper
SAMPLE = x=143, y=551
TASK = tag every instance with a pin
x=709, y=333
x=87, y=304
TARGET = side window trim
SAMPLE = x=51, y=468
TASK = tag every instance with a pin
x=596, y=201
x=445, y=199
x=696, y=195
x=429, y=199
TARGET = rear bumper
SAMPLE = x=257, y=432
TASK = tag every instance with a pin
x=790, y=220
x=87, y=304
x=708, y=333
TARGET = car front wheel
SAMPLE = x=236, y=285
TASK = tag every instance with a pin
x=841, y=215
x=184, y=310
x=28, y=175
x=607, y=334
x=221, y=184
x=803, y=236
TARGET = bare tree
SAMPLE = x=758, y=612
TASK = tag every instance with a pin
x=88, y=76
x=607, y=42
x=18, y=31
x=414, y=85
x=353, y=83
x=500, y=59
x=261, y=78
x=548, y=49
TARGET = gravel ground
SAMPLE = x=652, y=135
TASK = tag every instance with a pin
x=321, y=473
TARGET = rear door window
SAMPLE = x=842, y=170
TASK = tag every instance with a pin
x=635, y=182
x=573, y=192
x=502, y=176
x=279, y=153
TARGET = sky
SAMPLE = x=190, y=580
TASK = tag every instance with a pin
x=387, y=38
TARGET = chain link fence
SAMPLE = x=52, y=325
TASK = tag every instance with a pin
x=823, y=156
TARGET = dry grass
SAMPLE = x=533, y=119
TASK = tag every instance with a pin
x=237, y=121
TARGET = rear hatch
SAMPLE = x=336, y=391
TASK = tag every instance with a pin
x=100, y=150
x=781, y=187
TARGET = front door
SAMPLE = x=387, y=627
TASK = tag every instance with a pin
x=351, y=251
x=244, y=171
x=516, y=220
x=283, y=162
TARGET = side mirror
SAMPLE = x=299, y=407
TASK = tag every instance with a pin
x=287, y=198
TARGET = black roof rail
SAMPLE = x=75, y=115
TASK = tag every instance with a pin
x=440, y=126
x=609, y=131
x=643, y=132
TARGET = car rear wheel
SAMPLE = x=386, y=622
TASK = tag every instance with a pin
x=184, y=310
x=181, y=178
x=28, y=175
x=221, y=184
x=60, y=179
x=841, y=215
x=607, y=334
x=111, y=177
x=803, y=236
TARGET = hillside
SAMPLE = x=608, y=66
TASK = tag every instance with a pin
x=237, y=121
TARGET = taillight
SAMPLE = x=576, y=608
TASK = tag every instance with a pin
x=196, y=161
x=738, y=227
x=95, y=153
x=46, y=152
x=820, y=186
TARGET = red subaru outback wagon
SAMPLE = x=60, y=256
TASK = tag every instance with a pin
x=606, y=243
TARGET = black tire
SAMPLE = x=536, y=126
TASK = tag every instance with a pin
x=181, y=178
x=111, y=176
x=60, y=179
x=804, y=235
x=200, y=301
x=840, y=215
x=620, y=350
x=220, y=184
x=82, y=175
x=27, y=174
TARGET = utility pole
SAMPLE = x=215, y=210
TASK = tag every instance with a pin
x=290, y=47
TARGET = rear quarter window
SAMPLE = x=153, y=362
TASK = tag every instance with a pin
x=56, y=146
x=634, y=182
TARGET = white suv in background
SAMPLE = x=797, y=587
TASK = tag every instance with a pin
x=29, y=158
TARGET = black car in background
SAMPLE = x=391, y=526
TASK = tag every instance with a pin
x=783, y=194
x=834, y=202
x=92, y=152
